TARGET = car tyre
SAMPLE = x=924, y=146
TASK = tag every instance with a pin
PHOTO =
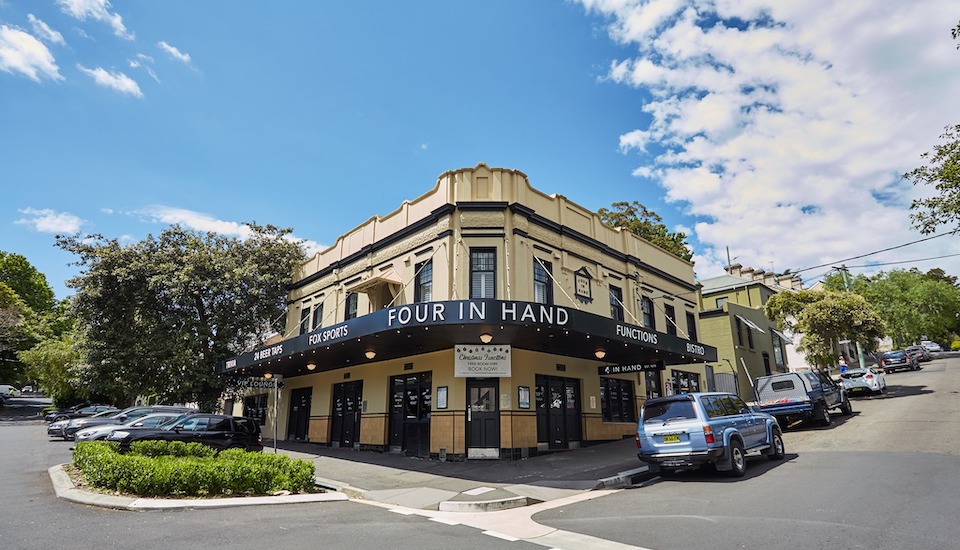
x=846, y=408
x=738, y=460
x=822, y=414
x=777, y=450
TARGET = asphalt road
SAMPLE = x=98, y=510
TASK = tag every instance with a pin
x=885, y=477
x=32, y=517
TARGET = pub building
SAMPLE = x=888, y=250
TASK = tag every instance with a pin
x=483, y=319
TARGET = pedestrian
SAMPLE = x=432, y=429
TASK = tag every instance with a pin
x=843, y=364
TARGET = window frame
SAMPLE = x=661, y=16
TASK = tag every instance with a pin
x=543, y=278
x=421, y=281
x=351, y=305
x=624, y=409
x=670, y=312
x=475, y=252
x=649, y=315
x=616, y=303
x=692, y=327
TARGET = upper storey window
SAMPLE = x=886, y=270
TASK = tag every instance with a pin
x=423, y=287
x=483, y=272
x=649, y=321
x=616, y=303
x=351, y=306
x=542, y=288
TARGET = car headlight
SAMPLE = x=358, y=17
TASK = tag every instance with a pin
x=118, y=434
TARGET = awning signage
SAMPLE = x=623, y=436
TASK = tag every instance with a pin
x=624, y=369
x=478, y=361
x=475, y=312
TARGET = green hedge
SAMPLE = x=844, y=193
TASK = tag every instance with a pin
x=174, y=468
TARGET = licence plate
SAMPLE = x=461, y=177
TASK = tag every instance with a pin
x=671, y=439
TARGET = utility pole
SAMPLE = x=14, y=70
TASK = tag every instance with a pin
x=846, y=282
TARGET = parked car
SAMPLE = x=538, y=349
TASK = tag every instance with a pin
x=7, y=391
x=119, y=417
x=931, y=346
x=77, y=412
x=690, y=430
x=861, y=380
x=898, y=359
x=216, y=430
x=57, y=428
x=152, y=420
x=806, y=395
x=920, y=353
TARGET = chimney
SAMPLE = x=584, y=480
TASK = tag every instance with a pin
x=746, y=272
x=758, y=275
x=770, y=279
x=734, y=269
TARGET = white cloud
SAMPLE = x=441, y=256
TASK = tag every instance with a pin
x=98, y=10
x=783, y=126
x=174, y=52
x=138, y=64
x=204, y=222
x=116, y=81
x=424, y=146
x=21, y=52
x=49, y=221
x=44, y=31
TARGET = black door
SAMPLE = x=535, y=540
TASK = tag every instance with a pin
x=347, y=409
x=483, y=418
x=411, y=402
x=558, y=411
x=298, y=424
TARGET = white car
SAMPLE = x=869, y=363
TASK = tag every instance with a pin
x=149, y=421
x=931, y=346
x=7, y=391
x=863, y=380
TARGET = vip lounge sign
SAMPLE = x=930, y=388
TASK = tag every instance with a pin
x=472, y=361
x=275, y=382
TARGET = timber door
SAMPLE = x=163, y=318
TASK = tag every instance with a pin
x=347, y=408
x=483, y=418
x=558, y=411
x=298, y=423
x=411, y=402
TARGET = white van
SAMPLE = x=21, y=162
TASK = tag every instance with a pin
x=7, y=391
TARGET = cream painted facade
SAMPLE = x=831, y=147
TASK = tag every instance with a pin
x=373, y=337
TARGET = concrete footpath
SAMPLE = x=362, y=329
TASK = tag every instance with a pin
x=398, y=480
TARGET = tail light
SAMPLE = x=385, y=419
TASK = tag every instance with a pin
x=259, y=439
x=637, y=438
x=708, y=434
x=869, y=377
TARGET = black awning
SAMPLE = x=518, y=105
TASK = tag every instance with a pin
x=414, y=329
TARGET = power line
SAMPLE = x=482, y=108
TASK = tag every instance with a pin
x=872, y=253
x=906, y=261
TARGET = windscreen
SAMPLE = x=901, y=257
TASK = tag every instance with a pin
x=668, y=410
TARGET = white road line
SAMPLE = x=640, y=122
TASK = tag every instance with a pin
x=445, y=521
x=403, y=511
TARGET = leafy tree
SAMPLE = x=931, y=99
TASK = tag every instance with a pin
x=57, y=365
x=823, y=318
x=645, y=223
x=914, y=305
x=160, y=314
x=942, y=170
x=13, y=315
x=24, y=279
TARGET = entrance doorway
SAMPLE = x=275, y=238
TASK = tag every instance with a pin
x=347, y=409
x=298, y=424
x=411, y=403
x=558, y=411
x=483, y=418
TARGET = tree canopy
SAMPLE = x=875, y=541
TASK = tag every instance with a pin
x=942, y=171
x=823, y=318
x=24, y=279
x=160, y=314
x=645, y=223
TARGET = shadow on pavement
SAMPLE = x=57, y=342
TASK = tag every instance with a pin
x=23, y=409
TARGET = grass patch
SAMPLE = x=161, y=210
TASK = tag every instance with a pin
x=177, y=469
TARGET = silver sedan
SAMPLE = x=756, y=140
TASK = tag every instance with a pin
x=149, y=421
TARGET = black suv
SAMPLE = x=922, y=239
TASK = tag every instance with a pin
x=215, y=430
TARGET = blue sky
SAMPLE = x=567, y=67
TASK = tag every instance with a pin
x=776, y=129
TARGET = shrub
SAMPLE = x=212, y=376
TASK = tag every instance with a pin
x=955, y=345
x=161, y=468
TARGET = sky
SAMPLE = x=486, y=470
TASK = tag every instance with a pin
x=773, y=133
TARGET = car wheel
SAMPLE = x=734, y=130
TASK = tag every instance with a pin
x=822, y=415
x=778, y=451
x=846, y=408
x=738, y=460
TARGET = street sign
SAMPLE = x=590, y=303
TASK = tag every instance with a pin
x=624, y=369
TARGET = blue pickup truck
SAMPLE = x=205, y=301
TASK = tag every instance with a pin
x=804, y=395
